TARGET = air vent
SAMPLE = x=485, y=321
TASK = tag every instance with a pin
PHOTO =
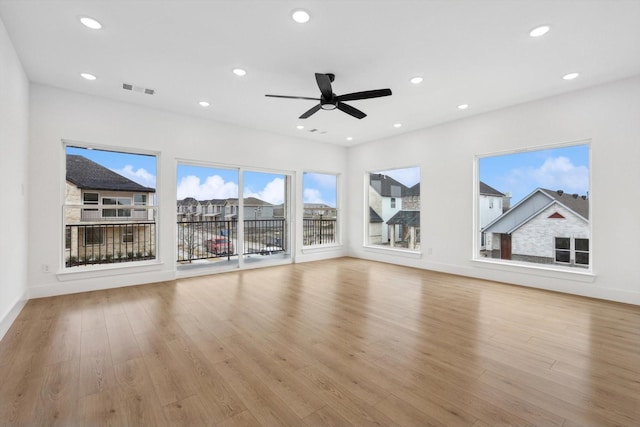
x=139, y=89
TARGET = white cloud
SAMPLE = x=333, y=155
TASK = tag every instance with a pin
x=273, y=192
x=556, y=173
x=311, y=195
x=408, y=176
x=141, y=176
x=323, y=180
x=214, y=187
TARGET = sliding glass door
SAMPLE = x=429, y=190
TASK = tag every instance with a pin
x=227, y=217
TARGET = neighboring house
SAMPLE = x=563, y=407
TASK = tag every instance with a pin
x=491, y=204
x=189, y=209
x=102, y=222
x=385, y=199
x=213, y=210
x=545, y=227
x=253, y=209
x=375, y=228
x=406, y=222
x=317, y=210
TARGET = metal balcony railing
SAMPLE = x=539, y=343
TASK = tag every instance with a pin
x=91, y=244
x=318, y=231
x=199, y=240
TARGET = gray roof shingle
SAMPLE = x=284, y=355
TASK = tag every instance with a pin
x=578, y=204
x=489, y=191
x=89, y=175
x=410, y=218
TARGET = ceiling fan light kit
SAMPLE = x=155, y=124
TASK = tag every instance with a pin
x=330, y=101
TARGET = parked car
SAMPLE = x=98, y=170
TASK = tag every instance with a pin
x=220, y=245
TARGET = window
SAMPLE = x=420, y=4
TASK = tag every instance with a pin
x=100, y=226
x=93, y=235
x=127, y=234
x=90, y=198
x=394, y=208
x=532, y=204
x=320, y=216
x=563, y=249
x=121, y=201
x=582, y=251
x=577, y=254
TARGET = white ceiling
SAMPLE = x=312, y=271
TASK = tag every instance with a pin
x=475, y=52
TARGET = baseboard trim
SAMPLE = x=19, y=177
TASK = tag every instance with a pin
x=11, y=316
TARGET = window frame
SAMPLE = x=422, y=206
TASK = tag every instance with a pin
x=318, y=243
x=367, y=237
x=552, y=269
x=150, y=258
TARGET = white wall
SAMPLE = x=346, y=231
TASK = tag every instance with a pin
x=58, y=114
x=14, y=136
x=608, y=115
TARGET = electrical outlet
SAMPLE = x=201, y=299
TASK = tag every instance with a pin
x=45, y=268
x=430, y=251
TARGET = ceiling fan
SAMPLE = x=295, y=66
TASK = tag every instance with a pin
x=331, y=101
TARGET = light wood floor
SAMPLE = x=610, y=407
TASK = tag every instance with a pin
x=341, y=342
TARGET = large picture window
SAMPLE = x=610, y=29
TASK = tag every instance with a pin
x=320, y=216
x=100, y=224
x=533, y=207
x=394, y=208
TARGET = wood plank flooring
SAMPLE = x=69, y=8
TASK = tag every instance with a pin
x=342, y=342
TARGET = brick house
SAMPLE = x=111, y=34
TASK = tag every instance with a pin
x=546, y=227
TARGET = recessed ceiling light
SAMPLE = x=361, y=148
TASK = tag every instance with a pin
x=349, y=138
x=570, y=76
x=90, y=23
x=463, y=106
x=239, y=72
x=539, y=31
x=416, y=80
x=397, y=125
x=87, y=76
x=299, y=127
x=204, y=103
x=300, y=16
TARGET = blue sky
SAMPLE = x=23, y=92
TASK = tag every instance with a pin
x=406, y=176
x=565, y=168
x=136, y=167
x=205, y=183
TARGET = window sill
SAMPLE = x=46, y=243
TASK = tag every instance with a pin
x=405, y=253
x=89, y=272
x=320, y=248
x=543, y=270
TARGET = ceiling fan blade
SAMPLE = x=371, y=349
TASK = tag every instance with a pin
x=364, y=95
x=293, y=97
x=310, y=111
x=350, y=110
x=324, y=83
